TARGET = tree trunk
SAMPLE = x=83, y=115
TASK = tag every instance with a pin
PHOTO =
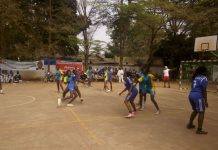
x=151, y=49
x=86, y=48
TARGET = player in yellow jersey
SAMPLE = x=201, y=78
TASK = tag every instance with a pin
x=106, y=77
x=149, y=88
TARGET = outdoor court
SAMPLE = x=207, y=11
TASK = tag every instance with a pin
x=31, y=120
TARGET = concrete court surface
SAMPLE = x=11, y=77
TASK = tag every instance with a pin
x=30, y=120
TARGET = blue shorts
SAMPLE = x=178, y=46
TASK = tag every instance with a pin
x=109, y=79
x=149, y=91
x=71, y=89
x=197, y=101
x=132, y=95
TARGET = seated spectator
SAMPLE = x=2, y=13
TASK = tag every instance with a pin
x=17, y=77
x=10, y=77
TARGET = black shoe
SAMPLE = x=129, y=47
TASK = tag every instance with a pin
x=201, y=132
x=190, y=126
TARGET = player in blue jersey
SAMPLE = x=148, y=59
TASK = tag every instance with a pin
x=132, y=93
x=70, y=88
x=198, y=98
x=77, y=79
x=142, y=98
x=110, y=74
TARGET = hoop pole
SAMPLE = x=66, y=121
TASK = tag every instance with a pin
x=180, y=77
x=217, y=85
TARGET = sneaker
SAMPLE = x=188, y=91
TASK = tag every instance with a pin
x=201, y=132
x=107, y=91
x=157, y=113
x=70, y=105
x=133, y=113
x=141, y=108
x=59, y=101
x=190, y=126
x=130, y=115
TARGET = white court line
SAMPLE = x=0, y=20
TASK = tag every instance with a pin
x=31, y=101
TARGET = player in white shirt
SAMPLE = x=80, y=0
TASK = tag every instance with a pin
x=120, y=74
x=166, y=78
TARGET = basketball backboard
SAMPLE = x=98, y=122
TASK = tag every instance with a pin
x=207, y=43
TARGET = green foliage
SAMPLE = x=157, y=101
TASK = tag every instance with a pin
x=25, y=28
x=165, y=29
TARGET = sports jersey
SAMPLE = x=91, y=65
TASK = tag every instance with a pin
x=106, y=75
x=128, y=83
x=110, y=75
x=140, y=79
x=58, y=75
x=89, y=73
x=166, y=72
x=148, y=84
x=151, y=76
x=71, y=83
x=196, y=98
x=76, y=73
x=199, y=83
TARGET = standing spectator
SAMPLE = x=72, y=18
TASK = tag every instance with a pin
x=10, y=77
x=120, y=74
x=166, y=78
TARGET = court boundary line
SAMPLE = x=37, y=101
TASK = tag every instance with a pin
x=21, y=104
x=85, y=127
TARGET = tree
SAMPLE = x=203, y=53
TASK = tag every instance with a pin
x=137, y=28
x=187, y=20
x=38, y=28
x=10, y=16
x=119, y=22
x=91, y=14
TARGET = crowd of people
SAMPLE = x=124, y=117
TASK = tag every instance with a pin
x=9, y=76
x=130, y=79
x=145, y=79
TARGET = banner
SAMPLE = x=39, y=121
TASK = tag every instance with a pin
x=33, y=70
x=17, y=65
x=69, y=65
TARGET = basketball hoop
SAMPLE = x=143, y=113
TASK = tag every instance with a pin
x=204, y=47
x=207, y=43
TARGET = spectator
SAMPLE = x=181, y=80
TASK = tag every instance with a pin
x=10, y=77
x=166, y=77
x=17, y=77
x=120, y=74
